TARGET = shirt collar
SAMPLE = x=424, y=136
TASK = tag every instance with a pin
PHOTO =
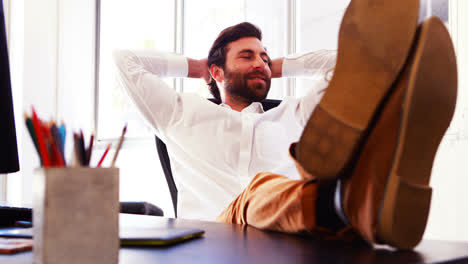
x=255, y=107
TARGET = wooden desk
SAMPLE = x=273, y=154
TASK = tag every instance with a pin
x=224, y=243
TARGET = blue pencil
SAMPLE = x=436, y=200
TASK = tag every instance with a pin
x=63, y=133
x=58, y=139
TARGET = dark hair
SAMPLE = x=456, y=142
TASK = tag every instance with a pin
x=217, y=54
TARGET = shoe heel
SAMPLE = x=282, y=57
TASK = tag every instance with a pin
x=404, y=212
x=429, y=107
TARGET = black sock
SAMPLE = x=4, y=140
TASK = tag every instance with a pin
x=326, y=215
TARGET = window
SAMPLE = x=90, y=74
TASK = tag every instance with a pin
x=318, y=25
x=153, y=24
x=136, y=25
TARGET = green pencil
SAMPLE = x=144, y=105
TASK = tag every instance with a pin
x=29, y=125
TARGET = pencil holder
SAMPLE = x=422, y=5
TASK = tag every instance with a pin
x=76, y=215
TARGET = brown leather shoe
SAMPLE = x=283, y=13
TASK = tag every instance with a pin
x=387, y=197
x=374, y=42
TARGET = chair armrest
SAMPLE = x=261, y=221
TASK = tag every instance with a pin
x=143, y=208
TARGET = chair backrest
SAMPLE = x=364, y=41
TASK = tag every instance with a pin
x=166, y=162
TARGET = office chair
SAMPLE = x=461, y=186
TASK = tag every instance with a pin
x=166, y=163
x=142, y=208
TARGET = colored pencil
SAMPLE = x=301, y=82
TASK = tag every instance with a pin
x=89, y=150
x=40, y=140
x=56, y=157
x=58, y=141
x=82, y=148
x=29, y=125
x=119, y=146
x=77, y=149
x=104, y=155
x=63, y=133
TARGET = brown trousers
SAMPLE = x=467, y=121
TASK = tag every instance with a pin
x=274, y=202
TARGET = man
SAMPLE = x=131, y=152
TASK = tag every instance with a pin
x=216, y=150
x=366, y=152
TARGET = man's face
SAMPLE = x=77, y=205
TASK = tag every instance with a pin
x=247, y=72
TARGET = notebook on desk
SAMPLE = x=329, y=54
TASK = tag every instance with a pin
x=130, y=236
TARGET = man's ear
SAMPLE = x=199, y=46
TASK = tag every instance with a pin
x=217, y=73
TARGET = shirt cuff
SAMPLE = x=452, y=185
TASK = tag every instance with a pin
x=177, y=65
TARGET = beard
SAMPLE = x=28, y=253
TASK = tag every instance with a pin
x=237, y=85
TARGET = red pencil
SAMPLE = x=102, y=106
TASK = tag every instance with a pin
x=104, y=155
x=40, y=140
x=56, y=157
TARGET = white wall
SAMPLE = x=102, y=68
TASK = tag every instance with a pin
x=76, y=63
x=33, y=48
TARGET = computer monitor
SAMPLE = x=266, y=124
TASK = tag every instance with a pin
x=8, y=147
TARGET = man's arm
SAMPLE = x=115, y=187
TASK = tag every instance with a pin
x=277, y=68
x=141, y=72
x=312, y=64
x=316, y=65
x=198, y=69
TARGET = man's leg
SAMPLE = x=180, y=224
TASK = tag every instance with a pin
x=374, y=41
x=382, y=147
x=275, y=202
x=386, y=197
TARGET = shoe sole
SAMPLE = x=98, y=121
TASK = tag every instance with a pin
x=374, y=41
x=428, y=108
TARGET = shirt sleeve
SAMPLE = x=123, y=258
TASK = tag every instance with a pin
x=141, y=74
x=316, y=65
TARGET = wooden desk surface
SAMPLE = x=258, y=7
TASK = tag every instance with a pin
x=224, y=243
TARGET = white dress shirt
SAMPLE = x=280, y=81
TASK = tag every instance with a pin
x=214, y=150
